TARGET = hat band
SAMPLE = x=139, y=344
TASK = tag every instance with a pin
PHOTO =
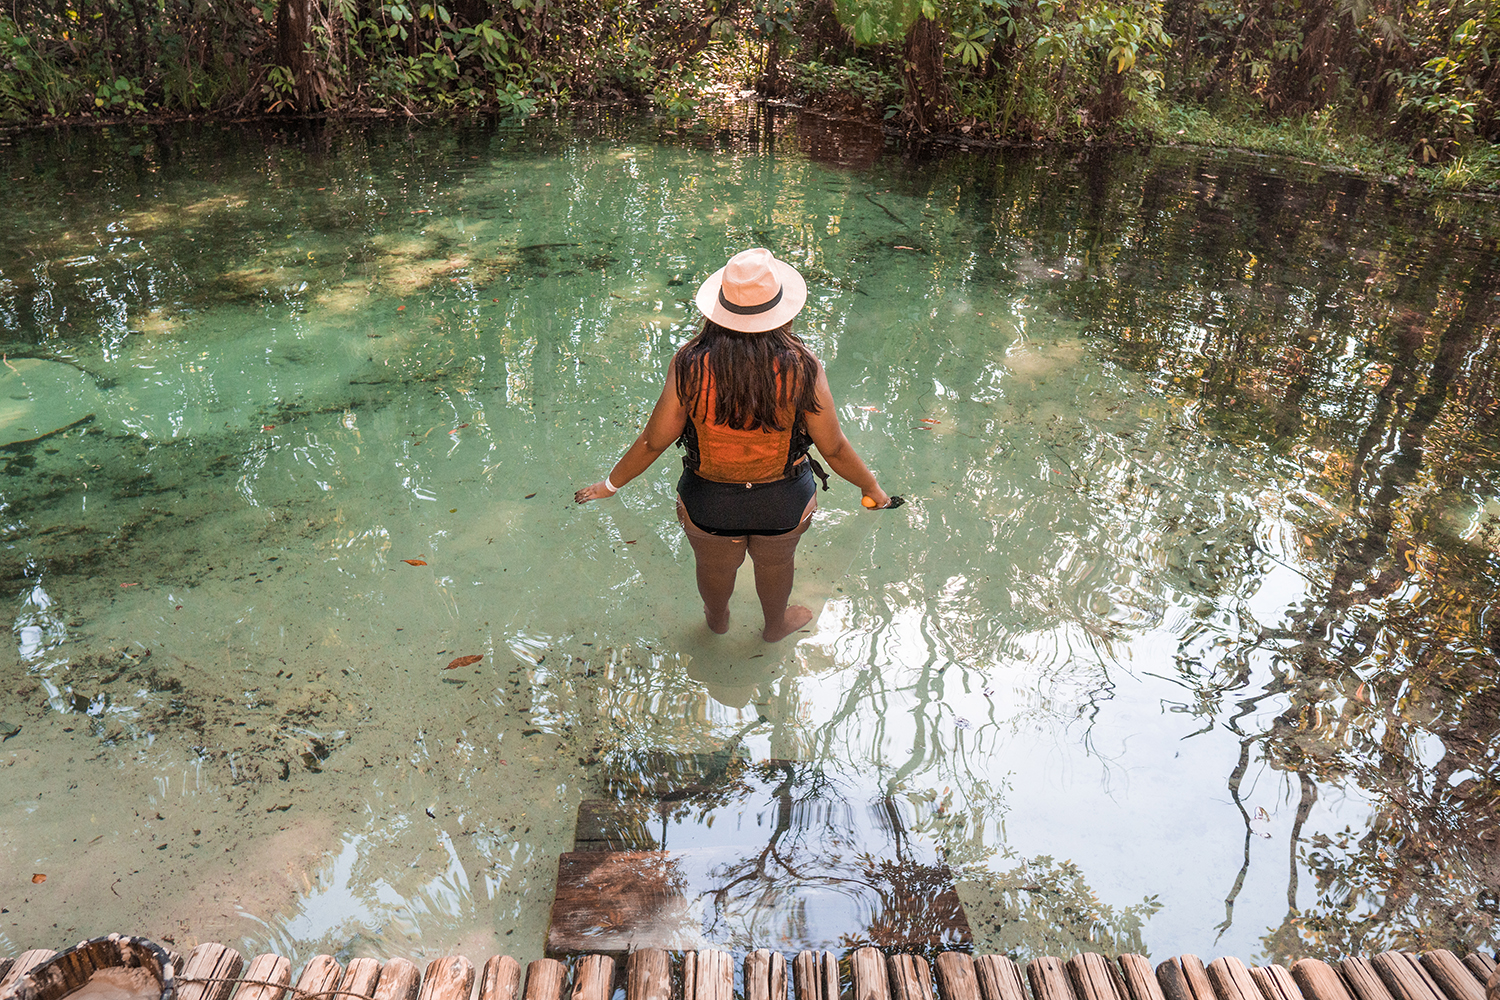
x=766, y=306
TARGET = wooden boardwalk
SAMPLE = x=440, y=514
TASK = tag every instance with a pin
x=214, y=972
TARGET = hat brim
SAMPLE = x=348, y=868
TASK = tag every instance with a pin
x=793, y=298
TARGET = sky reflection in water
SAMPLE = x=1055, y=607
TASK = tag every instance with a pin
x=1184, y=626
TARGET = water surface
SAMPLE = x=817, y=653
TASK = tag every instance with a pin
x=1184, y=642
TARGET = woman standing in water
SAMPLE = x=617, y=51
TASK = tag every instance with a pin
x=746, y=399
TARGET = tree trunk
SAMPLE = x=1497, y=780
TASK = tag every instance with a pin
x=294, y=51
x=922, y=74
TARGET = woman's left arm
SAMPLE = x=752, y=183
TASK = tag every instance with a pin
x=664, y=427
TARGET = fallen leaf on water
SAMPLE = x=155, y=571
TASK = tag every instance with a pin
x=268, y=427
x=123, y=585
x=631, y=542
x=463, y=661
x=930, y=420
x=900, y=247
x=415, y=562
x=38, y=878
x=528, y=496
x=870, y=409
x=400, y=308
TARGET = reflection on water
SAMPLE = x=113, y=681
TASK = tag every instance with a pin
x=1184, y=643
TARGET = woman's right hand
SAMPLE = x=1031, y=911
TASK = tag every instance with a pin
x=876, y=498
x=598, y=491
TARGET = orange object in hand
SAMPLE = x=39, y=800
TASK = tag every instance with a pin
x=868, y=502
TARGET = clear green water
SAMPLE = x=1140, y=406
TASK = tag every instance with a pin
x=1183, y=643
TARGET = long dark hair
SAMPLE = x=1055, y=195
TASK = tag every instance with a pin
x=754, y=375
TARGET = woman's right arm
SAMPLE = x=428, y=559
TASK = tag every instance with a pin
x=824, y=428
x=663, y=428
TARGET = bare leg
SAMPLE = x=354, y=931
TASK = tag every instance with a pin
x=718, y=558
x=774, y=557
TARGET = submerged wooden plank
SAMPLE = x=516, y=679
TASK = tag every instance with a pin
x=360, y=977
x=867, y=969
x=911, y=978
x=1452, y=976
x=501, y=979
x=815, y=976
x=320, y=975
x=1140, y=984
x=399, y=980
x=5, y=964
x=1092, y=977
x=765, y=975
x=1318, y=981
x=1364, y=982
x=594, y=978
x=1405, y=977
x=544, y=979
x=999, y=978
x=24, y=963
x=1049, y=979
x=1276, y=983
x=209, y=972
x=648, y=976
x=266, y=978
x=955, y=976
x=707, y=975
x=1231, y=980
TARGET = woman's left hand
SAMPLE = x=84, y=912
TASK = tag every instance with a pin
x=598, y=491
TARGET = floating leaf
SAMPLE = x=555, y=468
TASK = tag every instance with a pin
x=415, y=562
x=463, y=661
x=529, y=496
x=38, y=878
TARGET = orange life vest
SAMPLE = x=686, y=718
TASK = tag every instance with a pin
x=729, y=455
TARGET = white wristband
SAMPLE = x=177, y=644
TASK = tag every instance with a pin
x=610, y=486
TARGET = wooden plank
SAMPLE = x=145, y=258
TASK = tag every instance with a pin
x=399, y=980
x=501, y=979
x=1405, y=977
x=448, y=978
x=320, y=975
x=1173, y=983
x=765, y=975
x=24, y=963
x=867, y=969
x=1140, y=984
x=1231, y=980
x=1091, y=978
x=955, y=976
x=1482, y=965
x=1196, y=976
x=815, y=976
x=1318, y=981
x=911, y=978
x=593, y=977
x=1452, y=976
x=999, y=978
x=1492, y=986
x=209, y=972
x=5, y=964
x=648, y=976
x=360, y=977
x=1049, y=979
x=544, y=979
x=707, y=975
x=1364, y=982
x=1276, y=983
x=266, y=978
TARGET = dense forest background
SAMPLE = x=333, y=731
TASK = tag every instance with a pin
x=1420, y=76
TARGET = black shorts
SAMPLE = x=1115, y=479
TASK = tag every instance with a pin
x=773, y=508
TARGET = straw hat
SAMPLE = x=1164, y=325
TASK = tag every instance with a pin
x=753, y=293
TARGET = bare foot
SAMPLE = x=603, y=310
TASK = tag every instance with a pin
x=718, y=626
x=795, y=617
